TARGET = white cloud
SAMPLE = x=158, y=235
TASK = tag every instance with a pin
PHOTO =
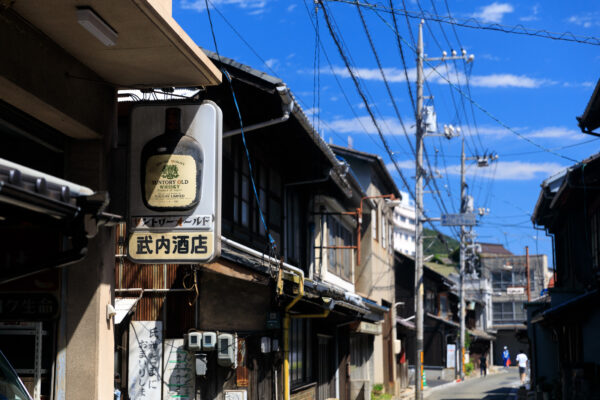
x=312, y=111
x=489, y=57
x=502, y=170
x=585, y=84
x=272, y=63
x=291, y=7
x=389, y=126
x=404, y=164
x=512, y=170
x=534, y=14
x=493, y=12
x=508, y=80
x=254, y=6
x=553, y=132
x=586, y=21
x=448, y=73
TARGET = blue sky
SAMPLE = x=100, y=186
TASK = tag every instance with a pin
x=535, y=86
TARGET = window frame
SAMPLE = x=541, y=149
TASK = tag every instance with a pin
x=339, y=234
x=301, y=352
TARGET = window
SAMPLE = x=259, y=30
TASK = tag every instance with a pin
x=431, y=302
x=595, y=237
x=294, y=232
x=383, y=231
x=246, y=212
x=509, y=312
x=300, y=352
x=444, y=308
x=374, y=214
x=339, y=260
x=501, y=280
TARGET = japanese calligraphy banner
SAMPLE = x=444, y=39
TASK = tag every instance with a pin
x=145, y=360
x=178, y=246
x=179, y=371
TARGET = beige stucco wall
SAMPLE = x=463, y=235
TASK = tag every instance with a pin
x=38, y=77
x=375, y=276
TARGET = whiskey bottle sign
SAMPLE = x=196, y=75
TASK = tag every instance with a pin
x=170, y=181
x=175, y=182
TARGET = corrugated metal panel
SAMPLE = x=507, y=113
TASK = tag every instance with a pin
x=128, y=275
x=149, y=308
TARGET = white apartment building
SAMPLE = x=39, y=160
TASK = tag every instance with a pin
x=404, y=226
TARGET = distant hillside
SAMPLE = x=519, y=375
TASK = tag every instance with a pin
x=437, y=247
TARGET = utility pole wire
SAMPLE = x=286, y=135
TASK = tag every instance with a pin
x=441, y=204
x=473, y=23
x=466, y=96
x=368, y=108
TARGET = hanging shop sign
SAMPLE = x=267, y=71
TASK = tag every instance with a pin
x=175, y=183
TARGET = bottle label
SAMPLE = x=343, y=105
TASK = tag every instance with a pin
x=170, y=180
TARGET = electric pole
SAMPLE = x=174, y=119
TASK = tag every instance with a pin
x=419, y=222
x=482, y=161
x=463, y=209
x=421, y=131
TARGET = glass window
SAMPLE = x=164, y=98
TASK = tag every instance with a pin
x=339, y=257
x=383, y=231
x=509, y=312
x=300, y=356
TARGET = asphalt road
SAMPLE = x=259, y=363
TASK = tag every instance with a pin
x=499, y=386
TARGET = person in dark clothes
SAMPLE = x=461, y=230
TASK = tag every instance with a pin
x=482, y=365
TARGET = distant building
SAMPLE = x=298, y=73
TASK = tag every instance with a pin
x=404, y=226
x=494, y=249
x=502, y=286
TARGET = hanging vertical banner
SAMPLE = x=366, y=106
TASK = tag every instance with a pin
x=145, y=360
x=179, y=371
x=174, y=208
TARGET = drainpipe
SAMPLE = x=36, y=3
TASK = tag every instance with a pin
x=286, y=335
x=287, y=106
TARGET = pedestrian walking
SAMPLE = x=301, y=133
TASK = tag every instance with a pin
x=522, y=362
x=482, y=365
x=506, y=357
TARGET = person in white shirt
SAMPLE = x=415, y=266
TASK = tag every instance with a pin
x=522, y=362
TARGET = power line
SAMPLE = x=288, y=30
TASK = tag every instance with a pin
x=366, y=103
x=489, y=114
x=339, y=84
x=476, y=24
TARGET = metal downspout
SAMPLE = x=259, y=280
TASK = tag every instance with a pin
x=286, y=332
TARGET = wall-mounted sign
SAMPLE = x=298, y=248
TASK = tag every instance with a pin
x=27, y=307
x=515, y=290
x=369, y=328
x=175, y=183
x=179, y=377
x=145, y=360
x=467, y=219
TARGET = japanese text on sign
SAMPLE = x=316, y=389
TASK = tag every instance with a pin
x=186, y=222
x=177, y=245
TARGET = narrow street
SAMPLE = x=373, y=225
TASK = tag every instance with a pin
x=493, y=387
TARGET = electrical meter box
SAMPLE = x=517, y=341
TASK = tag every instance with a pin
x=209, y=341
x=193, y=341
x=201, y=364
x=265, y=344
x=226, y=356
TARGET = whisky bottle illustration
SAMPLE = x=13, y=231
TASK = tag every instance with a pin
x=171, y=168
